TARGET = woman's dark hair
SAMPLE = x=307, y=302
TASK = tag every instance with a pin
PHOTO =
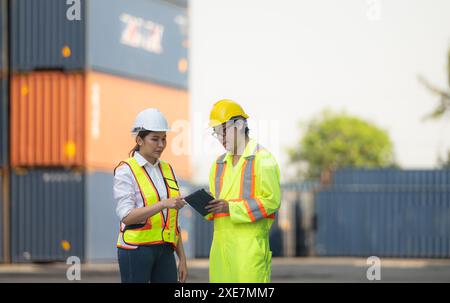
x=142, y=135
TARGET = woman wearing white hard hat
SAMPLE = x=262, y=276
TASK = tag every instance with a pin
x=148, y=200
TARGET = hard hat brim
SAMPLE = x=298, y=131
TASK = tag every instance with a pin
x=141, y=129
x=214, y=123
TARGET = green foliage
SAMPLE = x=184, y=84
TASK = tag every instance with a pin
x=444, y=163
x=448, y=67
x=443, y=106
x=337, y=140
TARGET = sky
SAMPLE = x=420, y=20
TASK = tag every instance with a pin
x=285, y=61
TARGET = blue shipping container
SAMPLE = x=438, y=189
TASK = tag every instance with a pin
x=47, y=215
x=102, y=223
x=142, y=39
x=2, y=178
x=363, y=215
x=3, y=37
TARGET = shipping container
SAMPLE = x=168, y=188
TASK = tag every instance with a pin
x=142, y=39
x=3, y=38
x=77, y=119
x=102, y=223
x=2, y=219
x=287, y=221
x=186, y=221
x=47, y=119
x=81, y=206
x=186, y=225
x=201, y=230
x=112, y=104
x=203, y=235
x=4, y=129
x=363, y=214
x=391, y=176
x=276, y=239
x=47, y=215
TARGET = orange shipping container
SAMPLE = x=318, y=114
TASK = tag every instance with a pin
x=47, y=119
x=60, y=119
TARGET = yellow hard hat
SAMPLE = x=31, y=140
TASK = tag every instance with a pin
x=223, y=111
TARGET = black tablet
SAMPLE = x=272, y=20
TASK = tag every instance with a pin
x=199, y=200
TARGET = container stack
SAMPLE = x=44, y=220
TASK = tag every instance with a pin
x=3, y=127
x=79, y=75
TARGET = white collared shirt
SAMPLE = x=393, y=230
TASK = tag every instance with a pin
x=126, y=189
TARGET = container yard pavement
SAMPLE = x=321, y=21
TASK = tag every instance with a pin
x=290, y=270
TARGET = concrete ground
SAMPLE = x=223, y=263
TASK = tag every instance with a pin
x=290, y=270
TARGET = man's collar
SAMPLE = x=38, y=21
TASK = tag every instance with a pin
x=248, y=151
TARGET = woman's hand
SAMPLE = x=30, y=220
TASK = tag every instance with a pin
x=176, y=203
x=218, y=206
x=182, y=271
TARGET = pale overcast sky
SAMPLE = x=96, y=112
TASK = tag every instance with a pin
x=287, y=60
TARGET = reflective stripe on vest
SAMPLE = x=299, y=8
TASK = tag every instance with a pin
x=156, y=229
x=253, y=205
x=220, y=172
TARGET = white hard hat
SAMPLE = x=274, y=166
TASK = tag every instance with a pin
x=150, y=119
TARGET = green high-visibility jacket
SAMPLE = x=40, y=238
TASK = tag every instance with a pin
x=240, y=250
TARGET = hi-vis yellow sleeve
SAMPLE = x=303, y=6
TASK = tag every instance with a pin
x=212, y=190
x=265, y=194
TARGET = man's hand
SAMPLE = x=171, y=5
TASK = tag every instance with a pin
x=218, y=206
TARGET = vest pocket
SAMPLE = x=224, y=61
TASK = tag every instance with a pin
x=142, y=226
x=134, y=226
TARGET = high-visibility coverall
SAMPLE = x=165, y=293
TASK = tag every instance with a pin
x=240, y=250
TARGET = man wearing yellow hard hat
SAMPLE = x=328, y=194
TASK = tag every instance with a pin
x=245, y=182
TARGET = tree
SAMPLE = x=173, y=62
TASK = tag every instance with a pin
x=442, y=108
x=444, y=95
x=444, y=163
x=335, y=140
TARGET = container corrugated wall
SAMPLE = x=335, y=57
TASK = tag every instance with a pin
x=186, y=221
x=3, y=37
x=149, y=37
x=43, y=38
x=292, y=232
x=112, y=104
x=203, y=236
x=47, y=119
x=47, y=215
x=4, y=127
x=71, y=119
x=390, y=213
x=143, y=39
x=102, y=223
x=1, y=214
